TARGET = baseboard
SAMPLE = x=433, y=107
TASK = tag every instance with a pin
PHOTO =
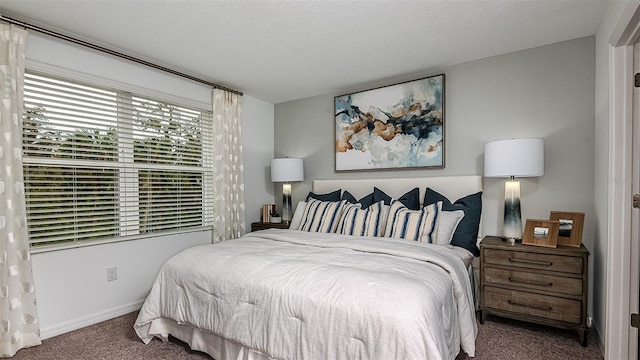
x=599, y=337
x=84, y=321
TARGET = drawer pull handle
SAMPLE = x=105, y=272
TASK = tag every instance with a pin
x=535, y=262
x=536, y=307
x=531, y=282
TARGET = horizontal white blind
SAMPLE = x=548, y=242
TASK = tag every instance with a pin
x=101, y=163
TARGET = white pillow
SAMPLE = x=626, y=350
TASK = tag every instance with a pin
x=321, y=216
x=362, y=222
x=418, y=225
x=297, y=215
x=447, y=223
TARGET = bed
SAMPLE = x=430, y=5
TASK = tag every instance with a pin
x=293, y=294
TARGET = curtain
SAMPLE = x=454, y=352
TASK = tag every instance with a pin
x=228, y=192
x=19, y=325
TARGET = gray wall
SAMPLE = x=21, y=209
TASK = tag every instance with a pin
x=545, y=92
x=257, y=147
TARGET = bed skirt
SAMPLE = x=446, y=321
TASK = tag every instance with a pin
x=217, y=347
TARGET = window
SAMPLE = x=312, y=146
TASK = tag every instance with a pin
x=102, y=164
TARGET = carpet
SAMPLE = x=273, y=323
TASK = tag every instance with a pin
x=115, y=339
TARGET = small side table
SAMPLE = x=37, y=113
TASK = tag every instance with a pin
x=267, y=225
x=537, y=284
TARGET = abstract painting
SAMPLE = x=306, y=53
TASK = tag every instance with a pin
x=392, y=127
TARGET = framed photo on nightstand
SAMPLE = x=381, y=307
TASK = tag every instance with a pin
x=570, y=233
x=541, y=233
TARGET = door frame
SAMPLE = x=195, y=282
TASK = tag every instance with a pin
x=634, y=273
x=621, y=341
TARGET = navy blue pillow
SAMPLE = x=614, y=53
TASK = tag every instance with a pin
x=365, y=202
x=466, y=234
x=411, y=199
x=332, y=196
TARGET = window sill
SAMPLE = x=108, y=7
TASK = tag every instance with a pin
x=74, y=245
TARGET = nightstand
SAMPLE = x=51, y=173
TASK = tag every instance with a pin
x=265, y=225
x=541, y=285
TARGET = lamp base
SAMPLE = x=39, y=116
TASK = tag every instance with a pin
x=286, y=202
x=511, y=240
x=512, y=225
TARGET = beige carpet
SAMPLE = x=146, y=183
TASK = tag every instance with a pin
x=500, y=338
x=115, y=340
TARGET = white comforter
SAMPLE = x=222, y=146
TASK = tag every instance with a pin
x=298, y=295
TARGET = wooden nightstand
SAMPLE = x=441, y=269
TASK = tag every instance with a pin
x=262, y=225
x=542, y=285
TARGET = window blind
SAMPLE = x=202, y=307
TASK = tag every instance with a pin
x=100, y=163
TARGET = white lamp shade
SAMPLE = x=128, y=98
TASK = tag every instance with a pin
x=514, y=157
x=287, y=170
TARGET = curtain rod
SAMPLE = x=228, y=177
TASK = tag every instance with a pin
x=113, y=52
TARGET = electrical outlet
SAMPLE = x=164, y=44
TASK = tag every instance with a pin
x=112, y=273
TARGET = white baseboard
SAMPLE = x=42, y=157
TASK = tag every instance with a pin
x=599, y=337
x=84, y=321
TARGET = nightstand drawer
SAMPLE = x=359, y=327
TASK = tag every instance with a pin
x=541, y=306
x=529, y=280
x=521, y=259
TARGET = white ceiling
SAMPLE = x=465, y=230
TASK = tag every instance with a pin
x=285, y=50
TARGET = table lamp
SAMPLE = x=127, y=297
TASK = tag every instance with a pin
x=513, y=158
x=286, y=170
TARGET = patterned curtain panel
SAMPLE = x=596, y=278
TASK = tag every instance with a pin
x=19, y=325
x=228, y=192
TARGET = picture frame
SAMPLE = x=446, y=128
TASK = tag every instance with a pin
x=571, y=224
x=541, y=233
x=399, y=126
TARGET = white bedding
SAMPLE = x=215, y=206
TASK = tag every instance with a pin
x=297, y=295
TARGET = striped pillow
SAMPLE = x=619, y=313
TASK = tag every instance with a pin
x=418, y=225
x=321, y=216
x=362, y=222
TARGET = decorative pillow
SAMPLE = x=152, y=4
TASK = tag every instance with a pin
x=349, y=198
x=362, y=222
x=466, y=234
x=365, y=202
x=411, y=199
x=321, y=216
x=297, y=215
x=418, y=225
x=332, y=196
x=447, y=223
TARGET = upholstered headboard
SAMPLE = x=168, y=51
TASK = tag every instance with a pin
x=453, y=187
